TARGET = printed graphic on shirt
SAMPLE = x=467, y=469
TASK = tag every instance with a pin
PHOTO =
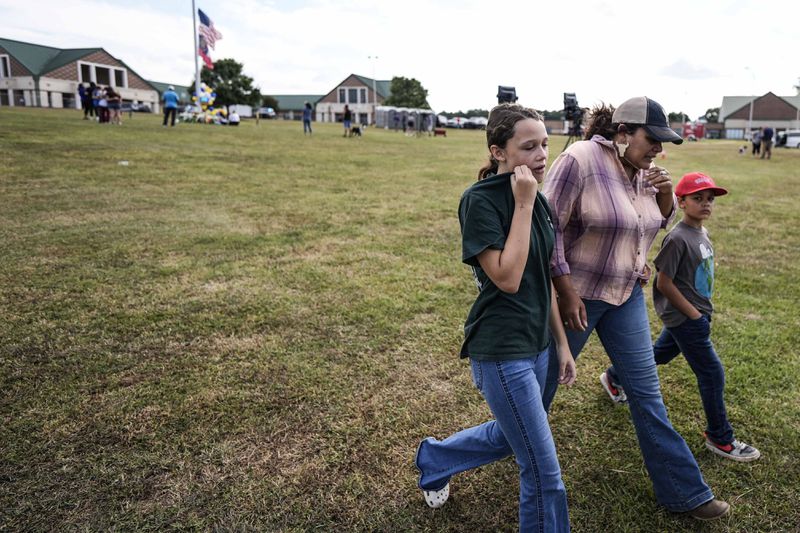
x=704, y=275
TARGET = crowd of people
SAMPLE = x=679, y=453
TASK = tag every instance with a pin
x=102, y=104
x=553, y=266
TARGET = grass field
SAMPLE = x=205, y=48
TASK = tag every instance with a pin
x=247, y=329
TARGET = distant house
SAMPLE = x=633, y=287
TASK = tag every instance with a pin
x=780, y=112
x=357, y=92
x=290, y=106
x=43, y=76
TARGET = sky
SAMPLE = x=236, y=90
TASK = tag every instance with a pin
x=686, y=55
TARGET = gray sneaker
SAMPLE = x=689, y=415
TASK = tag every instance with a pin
x=735, y=451
x=711, y=510
x=615, y=392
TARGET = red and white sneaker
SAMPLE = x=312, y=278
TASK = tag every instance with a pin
x=615, y=392
x=735, y=451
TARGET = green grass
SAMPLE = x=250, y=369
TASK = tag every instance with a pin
x=248, y=329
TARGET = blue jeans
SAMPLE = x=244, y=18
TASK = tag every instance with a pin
x=513, y=391
x=693, y=339
x=306, y=126
x=624, y=331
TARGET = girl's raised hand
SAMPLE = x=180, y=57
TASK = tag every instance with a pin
x=524, y=186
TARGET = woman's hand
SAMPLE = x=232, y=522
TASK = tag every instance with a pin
x=659, y=178
x=573, y=311
x=566, y=367
x=524, y=186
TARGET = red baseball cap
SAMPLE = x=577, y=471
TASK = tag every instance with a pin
x=695, y=181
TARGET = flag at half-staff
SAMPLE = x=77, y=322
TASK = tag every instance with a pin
x=202, y=49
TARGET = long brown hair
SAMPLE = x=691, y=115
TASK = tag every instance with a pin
x=500, y=128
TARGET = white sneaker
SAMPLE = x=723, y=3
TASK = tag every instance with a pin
x=436, y=498
x=735, y=451
x=615, y=392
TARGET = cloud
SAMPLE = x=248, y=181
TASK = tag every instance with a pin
x=683, y=70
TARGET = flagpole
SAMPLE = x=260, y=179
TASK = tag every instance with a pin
x=194, y=54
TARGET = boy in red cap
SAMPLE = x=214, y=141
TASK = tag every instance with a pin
x=682, y=298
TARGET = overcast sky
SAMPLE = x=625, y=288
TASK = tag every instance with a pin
x=686, y=55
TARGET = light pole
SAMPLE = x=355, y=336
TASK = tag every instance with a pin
x=750, y=120
x=374, y=91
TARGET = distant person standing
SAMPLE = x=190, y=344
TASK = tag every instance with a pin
x=755, y=138
x=766, y=141
x=114, y=106
x=348, y=120
x=93, y=96
x=170, y=99
x=102, y=105
x=84, y=102
x=307, y=119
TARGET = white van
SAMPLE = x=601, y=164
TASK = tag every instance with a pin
x=792, y=139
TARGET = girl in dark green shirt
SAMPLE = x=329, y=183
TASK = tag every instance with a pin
x=507, y=239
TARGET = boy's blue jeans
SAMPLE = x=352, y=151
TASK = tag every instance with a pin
x=513, y=391
x=693, y=339
x=624, y=331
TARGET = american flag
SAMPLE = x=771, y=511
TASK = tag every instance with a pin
x=207, y=29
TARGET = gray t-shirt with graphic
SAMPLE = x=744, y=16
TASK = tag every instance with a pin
x=687, y=257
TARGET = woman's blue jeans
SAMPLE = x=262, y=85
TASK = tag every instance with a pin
x=624, y=331
x=513, y=391
x=693, y=339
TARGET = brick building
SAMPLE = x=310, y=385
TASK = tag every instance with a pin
x=43, y=76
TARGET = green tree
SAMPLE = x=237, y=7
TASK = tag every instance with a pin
x=553, y=115
x=269, y=101
x=677, y=117
x=231, y=84
x=712, y=115
x=407, y=92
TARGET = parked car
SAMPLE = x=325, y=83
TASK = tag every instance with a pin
x=476, y=123
x=789, y=139
x=127, y=107
x=456, y=122
x=266, y=112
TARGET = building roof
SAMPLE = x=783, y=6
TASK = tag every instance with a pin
x=382, y=87
x=287, y=102
x=184, y=93
x=732, y=104
x=40, y=59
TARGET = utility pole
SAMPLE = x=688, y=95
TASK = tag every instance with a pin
x=374, y=91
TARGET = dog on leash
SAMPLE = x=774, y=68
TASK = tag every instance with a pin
x=355, y=131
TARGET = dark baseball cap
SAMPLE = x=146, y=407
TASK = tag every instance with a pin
x=650, y=114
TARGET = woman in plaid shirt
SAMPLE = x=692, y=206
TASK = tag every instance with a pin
x=609, y=202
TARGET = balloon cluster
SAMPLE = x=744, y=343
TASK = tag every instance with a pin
x=205, y=100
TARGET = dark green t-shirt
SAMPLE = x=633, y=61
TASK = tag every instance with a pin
x=503, y=326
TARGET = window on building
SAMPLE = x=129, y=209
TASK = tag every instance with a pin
x=363, y=95
x=4, y=98
x=342, y=96
x=5, y=67
x=352, y=96
x=19, y=97
x=102, y=76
